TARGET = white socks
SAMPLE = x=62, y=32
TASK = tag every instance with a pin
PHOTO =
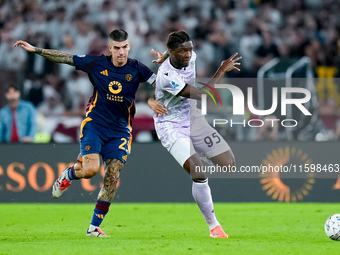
x=202, y=195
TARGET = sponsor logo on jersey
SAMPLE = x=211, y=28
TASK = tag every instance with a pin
x=128, y=77
x=115, y=87
x=114, y=98
x=174, y=84
x=105, y=72
x=87, y=147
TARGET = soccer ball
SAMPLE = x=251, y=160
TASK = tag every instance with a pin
x=332, y=227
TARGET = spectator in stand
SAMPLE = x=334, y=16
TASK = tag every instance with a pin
x=241, y=15
x=205, y=58
x=249, y=43
x=36, y=64
x=98, y=45
x=108, y=10
x=221, y=42
x=78, y=91
x=270, y=16
x=58, y=26
x=11, y=59
x=18, y=122
x=33, y=89
x=37, y=21
x=157, y=13
x=84, y=36
x=69, y=47
x=151, y=41
x=51, y=106
x=267, y=51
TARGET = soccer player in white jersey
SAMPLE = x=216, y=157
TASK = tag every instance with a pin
x=183, y=129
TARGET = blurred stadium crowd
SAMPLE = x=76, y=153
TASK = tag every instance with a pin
x=259, y=30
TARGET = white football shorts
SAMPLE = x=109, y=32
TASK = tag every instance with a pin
x=184, y=141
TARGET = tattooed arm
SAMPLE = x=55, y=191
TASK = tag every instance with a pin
x=53, y=55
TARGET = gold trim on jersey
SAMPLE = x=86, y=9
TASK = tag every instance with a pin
x=129, y=144
x=82, y=126
x=93, y=104
x=129, y=120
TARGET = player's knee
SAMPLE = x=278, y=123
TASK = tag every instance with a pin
x=115, y=166
x=229, y=158
x=231, y=161
x=90, y=172
x=77, y=166
x=224, y=159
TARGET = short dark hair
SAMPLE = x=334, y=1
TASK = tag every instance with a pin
x=12, y=86
x=119, y=35
x=176, y=38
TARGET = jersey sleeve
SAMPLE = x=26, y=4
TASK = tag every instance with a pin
x=146, y=75
x=84, y=62
x=170, y=81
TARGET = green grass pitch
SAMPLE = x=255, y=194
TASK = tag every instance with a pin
x=161, y=228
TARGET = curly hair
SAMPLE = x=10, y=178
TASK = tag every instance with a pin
x=176, y=38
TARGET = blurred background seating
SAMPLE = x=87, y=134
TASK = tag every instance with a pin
x=260, y=30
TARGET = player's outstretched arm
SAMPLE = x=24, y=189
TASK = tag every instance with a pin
x=53, y=55
x=190, y=91
x=161, y=56
x=231, y=63
x=227, y=65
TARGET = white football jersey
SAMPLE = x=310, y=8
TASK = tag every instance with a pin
x=169, y=83
x=184, y=119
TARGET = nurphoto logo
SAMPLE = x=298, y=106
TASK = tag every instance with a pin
x=239, y=105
